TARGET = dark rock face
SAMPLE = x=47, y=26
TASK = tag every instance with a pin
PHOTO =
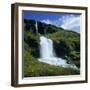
x=34, y=45
x=29, y=25
x=41, y=28
x=61, y=48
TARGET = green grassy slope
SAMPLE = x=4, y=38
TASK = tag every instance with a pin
x=66, y=46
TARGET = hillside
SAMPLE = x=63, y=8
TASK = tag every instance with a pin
x=66, y=45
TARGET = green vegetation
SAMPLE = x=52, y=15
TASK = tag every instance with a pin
x=32, y=67
x=66, y=46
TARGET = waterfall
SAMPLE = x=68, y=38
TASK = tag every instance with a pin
x=47, y=53
x=36, y=26
x=46, y=48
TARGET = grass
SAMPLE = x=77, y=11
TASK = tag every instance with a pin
x=35, y=68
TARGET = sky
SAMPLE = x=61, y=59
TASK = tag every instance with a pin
x=65, y=20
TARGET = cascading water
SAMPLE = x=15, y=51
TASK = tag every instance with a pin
x=36, y=26
x=47, y=53
x=46, y=48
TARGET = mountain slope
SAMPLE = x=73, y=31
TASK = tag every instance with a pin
x=66, y=46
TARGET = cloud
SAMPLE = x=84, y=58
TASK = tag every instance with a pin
x=68, y=22
x=71, y=22
x=53, y=22
x=47, y=21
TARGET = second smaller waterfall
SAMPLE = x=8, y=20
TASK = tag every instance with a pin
x=36, y=26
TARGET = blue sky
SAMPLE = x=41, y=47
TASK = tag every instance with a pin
x=64, y=20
